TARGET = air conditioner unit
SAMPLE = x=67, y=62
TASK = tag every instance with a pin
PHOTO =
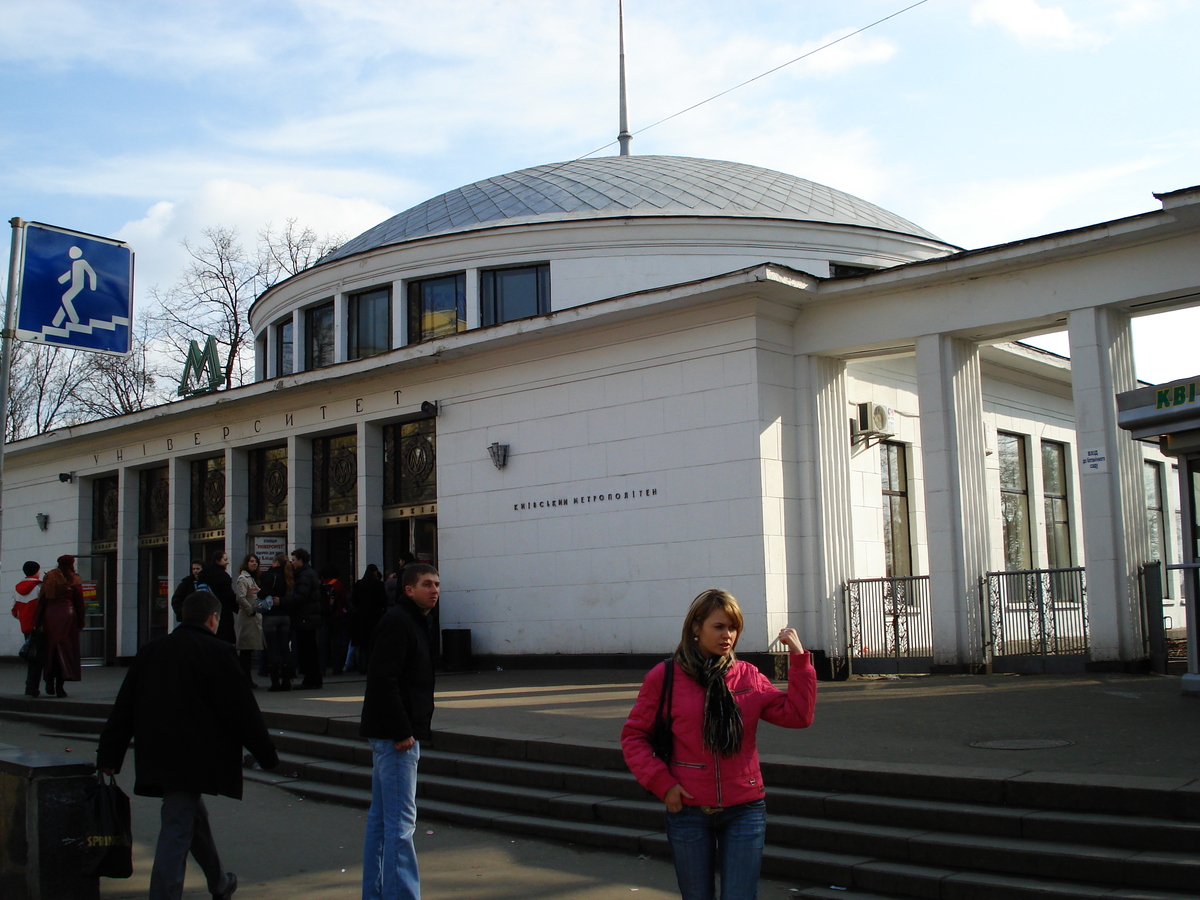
x=873, y=420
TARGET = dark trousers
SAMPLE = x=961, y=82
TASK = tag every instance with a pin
x=309, y=656
x=277, y=634
x=184, y=829
x=33, y=670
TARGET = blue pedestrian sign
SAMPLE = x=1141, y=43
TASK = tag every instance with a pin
x=76, y=290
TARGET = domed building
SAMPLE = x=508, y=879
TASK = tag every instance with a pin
x=589, y=390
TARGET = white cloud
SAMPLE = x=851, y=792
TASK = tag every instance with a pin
x=1031, y=23
x=995, y=210
x=157, y=237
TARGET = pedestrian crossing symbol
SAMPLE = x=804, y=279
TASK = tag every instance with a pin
x=76, y=290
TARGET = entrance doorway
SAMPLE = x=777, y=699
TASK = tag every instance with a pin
x=336, y=547
x=154, y=594
x=98, y=640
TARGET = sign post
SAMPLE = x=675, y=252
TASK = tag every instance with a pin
x=67, y=289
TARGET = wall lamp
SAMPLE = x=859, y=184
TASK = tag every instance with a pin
x=429, y=407
x=499, y=454
x=66, y=477
x=43, y=521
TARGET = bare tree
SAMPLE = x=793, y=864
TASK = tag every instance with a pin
x=41, y=390
x=115, y=385
x=214, y=297
x=293, y=249
x=222, y=280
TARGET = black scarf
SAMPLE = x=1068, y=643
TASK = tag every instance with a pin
x=722, y=718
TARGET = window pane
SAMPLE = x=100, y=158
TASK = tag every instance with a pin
x=1012, y=461
x=508, y=294
x=370, y=316
x=320, y=336
x=1015, y=509
x=436, y=307
x=1058, y=510
x=1054, y=479
x=897, y=542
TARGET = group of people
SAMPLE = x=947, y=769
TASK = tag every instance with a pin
x=300, y=620
x=187, y=706
x=690, y=739
x=51, y=615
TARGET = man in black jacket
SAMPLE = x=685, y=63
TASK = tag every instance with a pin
x=306, y=610
x=396, y=715
x=189, y=709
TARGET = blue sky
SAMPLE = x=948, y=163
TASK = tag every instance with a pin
x=985, y=121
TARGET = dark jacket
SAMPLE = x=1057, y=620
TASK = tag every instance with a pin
x=221, y=584
x=182, y=592
x=304, y=605
x=273, y=584
x=398, y=703
x=368, y=603
x=189, y=709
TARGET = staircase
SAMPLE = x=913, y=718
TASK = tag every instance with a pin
x=901, y=831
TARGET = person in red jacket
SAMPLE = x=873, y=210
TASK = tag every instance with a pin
x=24, y=610
x=712, y=786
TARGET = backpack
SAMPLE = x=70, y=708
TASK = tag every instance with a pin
x=326, y=600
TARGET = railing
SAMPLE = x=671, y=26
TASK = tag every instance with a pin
x=1037, y=612
x=889, y=618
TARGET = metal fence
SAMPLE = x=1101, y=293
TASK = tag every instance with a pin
x=889, y=623
x=1037, y=613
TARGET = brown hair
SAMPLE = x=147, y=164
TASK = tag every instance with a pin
x=412, y=573
x=706, y=603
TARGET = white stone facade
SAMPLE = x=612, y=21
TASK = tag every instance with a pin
x=678, y=419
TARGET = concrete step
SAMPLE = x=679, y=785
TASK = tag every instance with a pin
x=1150, y=833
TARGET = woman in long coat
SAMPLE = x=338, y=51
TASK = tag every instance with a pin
x=248, y=627
x=60, y=616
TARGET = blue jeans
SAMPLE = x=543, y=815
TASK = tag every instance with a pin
x=389, y=857
x=731, y=840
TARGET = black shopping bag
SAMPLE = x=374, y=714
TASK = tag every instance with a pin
x=108, y=841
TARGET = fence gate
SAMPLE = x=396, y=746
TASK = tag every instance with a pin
x=889, y=624
x=1037, y=621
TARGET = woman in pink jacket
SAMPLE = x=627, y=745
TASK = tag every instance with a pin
x=712, y=785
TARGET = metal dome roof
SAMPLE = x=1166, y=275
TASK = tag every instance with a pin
x=620, y=186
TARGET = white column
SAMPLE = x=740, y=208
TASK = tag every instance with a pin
x=474, y=314
x=1111, y=493
x=827, y=531
x=128, y=492
x=299, y=342
x=340, y=327
x=300, y=481
x=272, y=350
x=370, y=495
x=237, y=505
x=949, y=389
x=399, y=314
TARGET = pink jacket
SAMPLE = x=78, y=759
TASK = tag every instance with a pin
x=711, y=779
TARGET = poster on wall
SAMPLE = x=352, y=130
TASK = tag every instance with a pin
x=267, y=547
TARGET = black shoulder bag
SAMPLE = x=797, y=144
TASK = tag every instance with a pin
x=662, y=740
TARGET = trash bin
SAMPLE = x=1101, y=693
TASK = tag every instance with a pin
x=456, y=650
x=43, y=814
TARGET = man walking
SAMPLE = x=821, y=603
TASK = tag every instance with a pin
x=187, y=705
x=396, y=715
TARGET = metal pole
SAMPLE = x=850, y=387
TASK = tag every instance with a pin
x=624, y=137
x=6, y=339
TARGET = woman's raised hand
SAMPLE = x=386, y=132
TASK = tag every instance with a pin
x=790, y=639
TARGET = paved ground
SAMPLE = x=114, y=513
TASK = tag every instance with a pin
x=1116, y=725
x=283, y=848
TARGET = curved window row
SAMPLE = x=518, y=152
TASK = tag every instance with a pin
x=366, y=323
